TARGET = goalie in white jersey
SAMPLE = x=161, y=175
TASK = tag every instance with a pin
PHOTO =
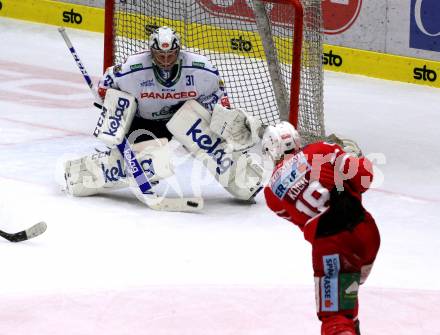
x=162, y=79
x=177, y=94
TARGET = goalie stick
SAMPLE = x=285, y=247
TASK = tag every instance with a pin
x=142, y=188
x=34, y=231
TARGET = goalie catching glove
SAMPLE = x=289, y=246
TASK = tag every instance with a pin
x=238, y=128
x=240, y=174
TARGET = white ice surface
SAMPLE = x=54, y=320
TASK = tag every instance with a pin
x=112, y=250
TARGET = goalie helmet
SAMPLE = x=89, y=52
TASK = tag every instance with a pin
x=164, y=45
x=279, y=140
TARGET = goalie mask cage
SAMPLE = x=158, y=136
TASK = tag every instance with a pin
x=267, y=52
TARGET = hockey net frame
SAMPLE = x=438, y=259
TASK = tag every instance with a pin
x=302, y=102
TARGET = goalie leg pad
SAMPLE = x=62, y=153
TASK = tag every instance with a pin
x=240, y=174
x=95, y=173
x=246, y=176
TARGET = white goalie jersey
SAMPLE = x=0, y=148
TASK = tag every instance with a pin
x=160, y=94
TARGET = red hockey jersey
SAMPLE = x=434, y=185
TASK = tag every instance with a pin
x=300, y=186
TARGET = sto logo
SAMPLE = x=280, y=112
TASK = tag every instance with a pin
x=425, y=25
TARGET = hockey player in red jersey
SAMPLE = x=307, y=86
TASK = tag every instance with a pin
x=319, y=188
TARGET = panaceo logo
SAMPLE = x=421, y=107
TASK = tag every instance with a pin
x=331, y=59
x=168, y=95
x=338, y=15
x=72, y=17
x=240, y=44
x=425, y=74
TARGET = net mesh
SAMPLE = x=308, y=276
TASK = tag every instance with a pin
x=226, y=32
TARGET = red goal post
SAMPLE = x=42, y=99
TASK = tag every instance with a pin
x=256, y=45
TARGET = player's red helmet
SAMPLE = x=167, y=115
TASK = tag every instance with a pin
x=279, y=140
x=164, y=45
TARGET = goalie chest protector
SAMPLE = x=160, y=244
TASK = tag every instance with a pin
x=158, y=99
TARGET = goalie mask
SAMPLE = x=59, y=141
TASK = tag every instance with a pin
x=165, y=47
x=279, y=140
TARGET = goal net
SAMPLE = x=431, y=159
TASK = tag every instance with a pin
x=267, y=52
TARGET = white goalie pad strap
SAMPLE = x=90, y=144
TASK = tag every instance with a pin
x=237, y=127
x=95, y=173
x=237, y=173
x=117, y=114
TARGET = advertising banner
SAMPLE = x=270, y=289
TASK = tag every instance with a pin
x=55, y=13
x=389, y=39
x=359, y=24
x=401, y=27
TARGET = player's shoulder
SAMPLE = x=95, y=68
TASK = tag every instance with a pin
x=322, y=147
x=135, y=62
x=197, y=61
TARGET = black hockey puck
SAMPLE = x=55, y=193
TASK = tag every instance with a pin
x=192, y=203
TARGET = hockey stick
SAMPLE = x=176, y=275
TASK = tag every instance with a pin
x=142, y=188
x=37, y=229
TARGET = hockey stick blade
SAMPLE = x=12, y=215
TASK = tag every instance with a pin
x=34, y=231
x=160, y=203
x=142, y=187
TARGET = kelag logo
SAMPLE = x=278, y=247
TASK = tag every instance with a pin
x=425, y=25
